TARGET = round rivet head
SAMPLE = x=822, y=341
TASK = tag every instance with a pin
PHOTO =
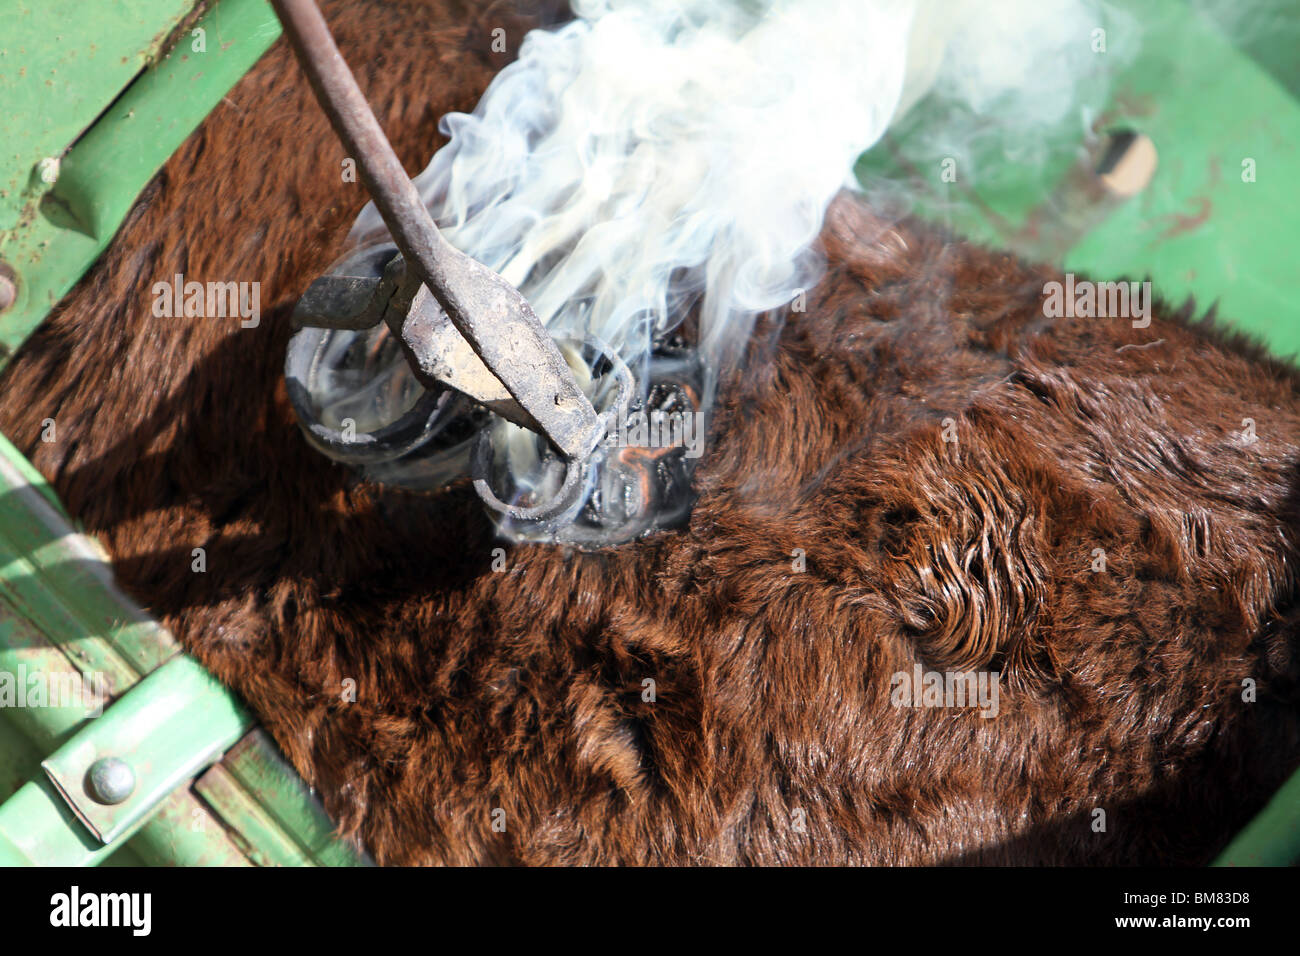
x=111, y=780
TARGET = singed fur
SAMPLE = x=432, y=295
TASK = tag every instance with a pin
x=771, y=737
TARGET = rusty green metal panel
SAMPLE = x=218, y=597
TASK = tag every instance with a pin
x=257, y=831
x=62, y=618
x=168, y=727
x=62, y=584
x=38, y=828
x=20, y=758
x=54, y=223
x=183, y=832
x=254, y=788
x=78, y=55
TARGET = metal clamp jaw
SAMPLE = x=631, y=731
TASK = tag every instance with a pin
x=439, y=355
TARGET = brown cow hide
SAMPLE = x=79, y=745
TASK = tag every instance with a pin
x=919, y=469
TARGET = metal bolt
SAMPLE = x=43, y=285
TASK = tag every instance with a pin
x=111, y=780
x=1128, y=164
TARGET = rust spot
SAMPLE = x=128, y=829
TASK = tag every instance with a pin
x=1183, y=223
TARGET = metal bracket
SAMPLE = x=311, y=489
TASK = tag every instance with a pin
x=158, y=735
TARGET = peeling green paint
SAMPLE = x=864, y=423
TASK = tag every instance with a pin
x=111, y=123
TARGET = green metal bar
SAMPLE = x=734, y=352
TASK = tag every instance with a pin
x=62, y=230
x=256, y=766
x=28, y=661
x=63, y=621
x=33, y=587
x=168, y=727
x=20, y=758
x=62, y=582
x=26, y=475
x=37, y=828
x=63, y=617
x=184, y=832
x=257, y=832
x=52, y=51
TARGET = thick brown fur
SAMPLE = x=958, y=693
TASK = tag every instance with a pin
x=523, y=689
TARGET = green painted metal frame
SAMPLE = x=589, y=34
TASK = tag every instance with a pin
x=173, y=724
x=86, y=102
x=63, y=619
x=169, y=726
x=61, y=616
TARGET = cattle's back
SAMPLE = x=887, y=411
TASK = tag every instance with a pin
x=919, y=469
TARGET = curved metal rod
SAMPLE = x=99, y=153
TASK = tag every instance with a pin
x=408, y=432
x=575, y=471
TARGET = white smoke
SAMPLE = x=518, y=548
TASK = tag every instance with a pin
x=655, y=152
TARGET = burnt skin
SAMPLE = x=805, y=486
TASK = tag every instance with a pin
x=840, y=535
